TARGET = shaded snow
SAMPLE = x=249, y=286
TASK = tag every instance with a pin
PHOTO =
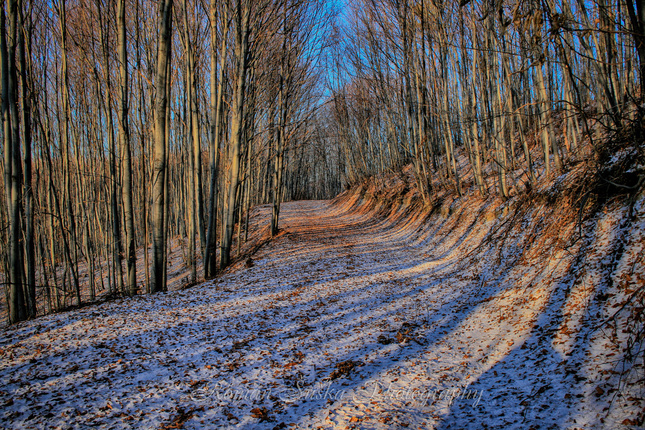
x=345, y=320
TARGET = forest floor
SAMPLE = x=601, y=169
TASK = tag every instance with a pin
x=352, y=318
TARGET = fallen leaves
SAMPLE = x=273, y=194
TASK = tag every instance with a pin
x=405, y=334
x=289, y=324
x=261, y=413
x=178, y=421
x=344, y=368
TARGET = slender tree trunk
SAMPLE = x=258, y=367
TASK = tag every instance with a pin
x=117, y=245
x=637, y=21
x=197, y=151
x=192, y=148
x=26, y=110
x=70, y=233
x=13, y=167
x=160, y=145
x=124, y=139
x=237, y=124
x=283, y=107
x=216, y=112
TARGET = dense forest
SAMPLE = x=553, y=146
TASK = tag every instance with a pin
x=128, y=123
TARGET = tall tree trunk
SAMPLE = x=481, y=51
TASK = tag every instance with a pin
x=237, y=124
x=216, y=112
x=197, y=150
x=117, y=243
x=283, y=107
x=70, y=232
x=13, y=168
x=124, y=140
x=637, y=20
x=26, y=110
x=194, y=187
x=160, y=148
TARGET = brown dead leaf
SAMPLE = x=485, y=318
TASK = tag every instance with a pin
x=385, y=419
x=344, y=368
x=260, y=413
x=180, y=419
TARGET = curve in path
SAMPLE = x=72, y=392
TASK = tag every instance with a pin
x=338, y=322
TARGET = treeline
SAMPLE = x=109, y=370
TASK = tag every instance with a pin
x=484, y=95
x=128, y=122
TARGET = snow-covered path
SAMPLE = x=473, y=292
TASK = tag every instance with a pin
x=343, y=321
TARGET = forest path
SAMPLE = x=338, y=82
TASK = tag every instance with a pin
x=343, y=320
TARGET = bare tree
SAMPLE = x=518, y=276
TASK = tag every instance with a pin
x=159, y=197
x=216, y=113
x=242, y=30
x=124, y=138
x=12, y=159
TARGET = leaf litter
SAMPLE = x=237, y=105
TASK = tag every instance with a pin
x=350, y=320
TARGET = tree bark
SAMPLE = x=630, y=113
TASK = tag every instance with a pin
x=216, y=112
x=237, y=124
x=26, y=110
x=160, y=149
x=13, y=168
x=124, y=139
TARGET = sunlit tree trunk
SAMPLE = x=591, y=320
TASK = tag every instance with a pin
x=237, y=122
x=159, y=194
x=124, y=139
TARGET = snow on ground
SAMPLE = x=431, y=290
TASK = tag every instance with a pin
x=346, y=320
